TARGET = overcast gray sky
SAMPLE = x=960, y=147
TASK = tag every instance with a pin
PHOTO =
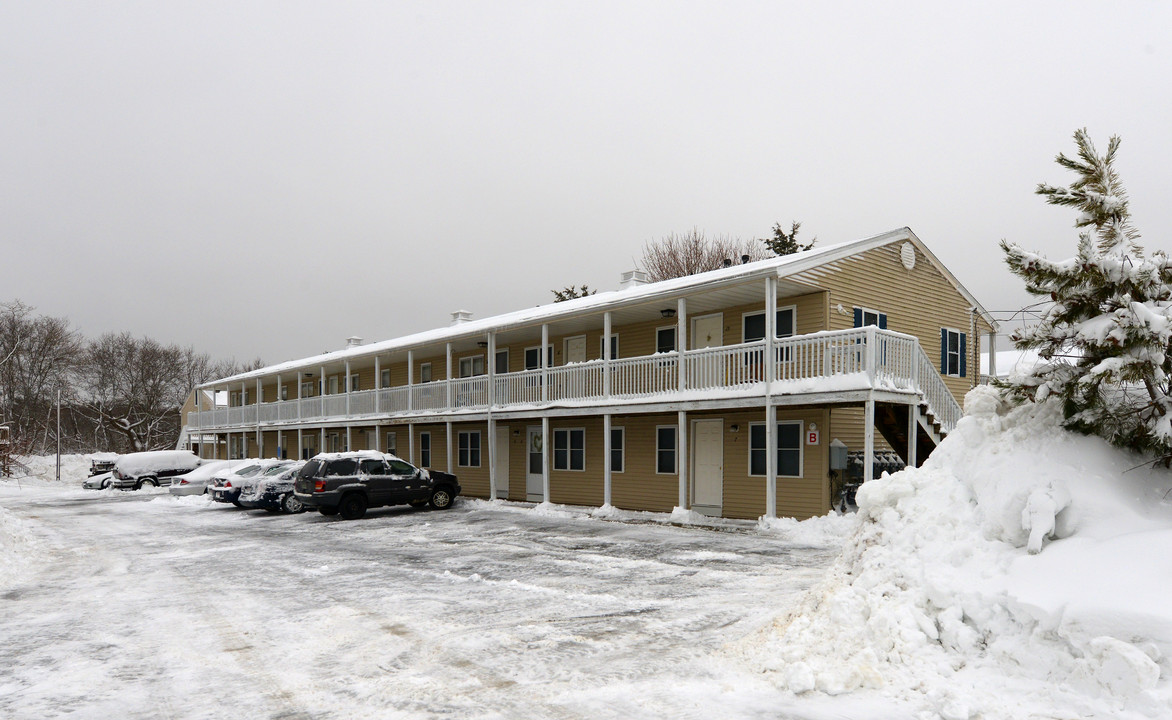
x=268, y=178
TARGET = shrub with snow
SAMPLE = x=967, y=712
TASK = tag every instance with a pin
x=1022, y=571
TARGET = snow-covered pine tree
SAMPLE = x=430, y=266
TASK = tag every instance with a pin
x=1105, y=335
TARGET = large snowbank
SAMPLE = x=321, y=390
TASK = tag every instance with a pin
x=17, y=546
x=1023, y=571
x=75, y=469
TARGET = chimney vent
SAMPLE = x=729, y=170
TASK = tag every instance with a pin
x=728, y=262
x=353, y=341
x=632, y=278
x=744, y=259
x=461, y=316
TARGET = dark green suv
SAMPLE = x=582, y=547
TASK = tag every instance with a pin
x=346, y=484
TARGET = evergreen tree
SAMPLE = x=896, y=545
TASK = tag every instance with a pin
x=783, y=243
x=571, y=292
x=1105, y=335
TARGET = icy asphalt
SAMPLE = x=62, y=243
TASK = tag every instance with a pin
x=149, y=606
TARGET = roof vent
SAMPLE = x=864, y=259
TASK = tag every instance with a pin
x=727, y=262
x=744, y=259
x=632, y=278
x=461, y=316
x=353, y=341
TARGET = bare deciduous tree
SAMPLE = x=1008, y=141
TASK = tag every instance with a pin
x=677, y=255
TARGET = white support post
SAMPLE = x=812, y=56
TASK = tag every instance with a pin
x=544, y=445
x=913, y=423
x=770, y=333
x=770, y=460
x=322, y=443
x=378, y=387
x=410, y=380
x=606, y=448
x=869, y=439
x=349, y=444
x=544, y=352
x=300, y=442
x=870, y=358
x=378, y=436
x=347, y=381
x=299, y=410
x=321, y=390
x=448, y=437
x=215, y=445
x=448, y=390
x=411, y=442
x=682, y=456
x=491, y=458
x=682, y=345
x=992, y=353
x=260, y=440
x=282, y=451
x=606, y=358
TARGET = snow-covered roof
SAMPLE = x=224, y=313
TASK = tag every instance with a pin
x=782, y=266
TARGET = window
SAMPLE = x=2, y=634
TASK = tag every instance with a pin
x=472, y=366
x=665, y=339
x=333, y=386
x=616, y=449
x=354, y=382
x=307, y=389
x=385, y=380
x=665, y=449
x=569, y=449
x=392, y=444
x=502, y=361
x=533, y=357
x=425, y=373
x=425, y=449
x=952, y=352
x=789, y=449
x=865, y=317
x=370, y=466
x=342, y=467
x=285, y=392
x=469, y=445
x=398, y=467
x=753, y=324
x=614, y=347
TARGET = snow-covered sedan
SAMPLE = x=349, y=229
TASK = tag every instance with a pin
x=196, y=482
x=225, y=485
x=272, y=490
x=152, y=468
x=98, y=482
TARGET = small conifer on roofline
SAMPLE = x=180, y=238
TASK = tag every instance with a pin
x=1104, y=338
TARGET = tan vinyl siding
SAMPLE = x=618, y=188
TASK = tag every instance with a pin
x=578, y=487
x=640, y=487
x=473, y=480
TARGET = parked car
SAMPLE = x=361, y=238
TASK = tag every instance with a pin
x=196, y=482
x=225, y=485
x=348, y=483
x=272, y=489
x=98, y=482
x=152, y=469
x=101, y=463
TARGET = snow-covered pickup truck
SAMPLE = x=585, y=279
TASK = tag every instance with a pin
x=152, y=469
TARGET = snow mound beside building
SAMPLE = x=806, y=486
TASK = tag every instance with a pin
x=17, y=548
x=1023, y=571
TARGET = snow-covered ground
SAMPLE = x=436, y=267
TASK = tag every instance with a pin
x=1023, y=572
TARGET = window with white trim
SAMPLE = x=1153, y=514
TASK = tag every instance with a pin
x=789, y=448
x=617, y=448
x=614, y=346
x=502, y=361
x=307, y=389
x=354, y=382
x=569, y=449
x=665, y=339
x=533, y=357
x=471, y=366
x=285, y=392
x=952, y=352
x=753, y=324
x=392, y=444
x=425, y=449
x=385, y=380
x=333, y=388
x=865, y=317
x=468, y=449
x=425, y=373
x=665, y=450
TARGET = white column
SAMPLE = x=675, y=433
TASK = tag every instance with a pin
x=321, y=445
x=544, y=353
x=410, y=380
x=378, y=437
x=682, y=456
x=299, y=410
x=349, y=441
x=992, y=353
x=448, y=390
x=378, y=387
x=215, y=445
x=411, y=442
x=682, y=345
x=868, y=439
x=491, y=458
x=279, y=386
x=300, y=443
x=260, y=440
x=606, y=467
x=490, y=366
x=544, y=449
x=281, y=449
x=448, y=437
x=606, y=358
x=347, y=381
x=770, y=460
x=321, y=390
x=913, y=422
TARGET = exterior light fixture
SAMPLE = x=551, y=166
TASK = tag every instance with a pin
x=667, y=312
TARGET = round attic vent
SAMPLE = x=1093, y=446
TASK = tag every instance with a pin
x=907, y=255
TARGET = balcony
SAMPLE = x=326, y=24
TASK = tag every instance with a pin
x=862, y=358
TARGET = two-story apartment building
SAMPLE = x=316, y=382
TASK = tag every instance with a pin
x=654, y=396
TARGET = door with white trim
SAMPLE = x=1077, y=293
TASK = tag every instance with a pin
x=576, y=349
x=534, y=459
x=500, y=459
x=707, y=370
x=708, y=466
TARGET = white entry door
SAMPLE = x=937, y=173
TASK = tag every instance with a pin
x=707, y=331
x=576, y=349
x=535, y=457
x=707, y=371
x=707, y=466
x=501, y=458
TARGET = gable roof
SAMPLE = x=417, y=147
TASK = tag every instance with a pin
x=782, y=267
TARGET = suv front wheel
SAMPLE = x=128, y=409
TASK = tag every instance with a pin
x=441, y=499
x=352, y=507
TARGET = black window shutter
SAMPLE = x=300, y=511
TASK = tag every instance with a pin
x=962, y=354
x=882, y=321
x=943, y=351
x=858, y=317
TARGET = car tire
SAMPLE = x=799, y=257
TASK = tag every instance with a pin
x=106, y=484
x=144, y=483
x=352, y=507
x=327, y=511
x=292, y=505
x=236, y=503
x=441, y=499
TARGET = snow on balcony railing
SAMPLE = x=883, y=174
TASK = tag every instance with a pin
x=268, y=412
x=393, y=400
x=310, y=407
x=579, y=381
x=288, y=410
x=362, y=402
x=728, y=366
x=333, y=405
x=429, y=396
x=518, y=388
x=644, y=376
x=470, y=392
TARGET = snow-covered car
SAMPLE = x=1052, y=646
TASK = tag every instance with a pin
x=152, y=468
x=98, y=482
x=272, y=490
x=225, y=485
x=196, y=482
x=348, y=483
x=102, y=462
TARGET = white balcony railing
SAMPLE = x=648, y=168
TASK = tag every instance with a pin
x=880, y=358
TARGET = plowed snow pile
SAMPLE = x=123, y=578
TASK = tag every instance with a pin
x=1022, y=572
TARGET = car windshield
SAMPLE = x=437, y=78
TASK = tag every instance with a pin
x=276, y=470
x=248, y=471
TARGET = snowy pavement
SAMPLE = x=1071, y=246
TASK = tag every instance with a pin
x=143, y=605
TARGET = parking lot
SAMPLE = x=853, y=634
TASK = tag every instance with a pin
x=144, y=605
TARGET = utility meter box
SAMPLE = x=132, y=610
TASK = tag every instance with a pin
x=838, y=451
